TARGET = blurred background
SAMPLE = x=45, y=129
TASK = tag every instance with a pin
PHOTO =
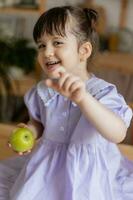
x=19, y=69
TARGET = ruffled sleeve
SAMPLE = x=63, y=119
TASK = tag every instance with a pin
x=109, y=96
x=31, y=99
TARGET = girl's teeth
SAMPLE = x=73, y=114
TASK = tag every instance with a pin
x=52, y=63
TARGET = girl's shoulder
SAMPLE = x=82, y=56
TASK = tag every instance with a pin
x=107, y=94
x=96, y=85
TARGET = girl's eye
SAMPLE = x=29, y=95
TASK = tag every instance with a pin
x=41, y=46
x=57, y=43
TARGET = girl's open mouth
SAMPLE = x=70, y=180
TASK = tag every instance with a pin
x=51, y=66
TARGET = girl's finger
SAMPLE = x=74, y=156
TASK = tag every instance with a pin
x=63, y=79
x=76, y=85
x=9, y=145
x=22, y=125
x=20, y=153
x=27, y=152
x=61, y=73
x=51, y=83
x=70, y=81
x=48, y=82
x=76, y=95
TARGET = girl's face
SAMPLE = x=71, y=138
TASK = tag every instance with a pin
x=59, y=52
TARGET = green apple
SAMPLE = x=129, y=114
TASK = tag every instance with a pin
x=21, y=140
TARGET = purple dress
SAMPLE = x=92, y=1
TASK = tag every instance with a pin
x=72, y=160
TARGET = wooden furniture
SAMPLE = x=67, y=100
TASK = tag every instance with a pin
x=19, y=86
x=123, y=13
x=123, y=62
x=5, y=130
x=24, y=84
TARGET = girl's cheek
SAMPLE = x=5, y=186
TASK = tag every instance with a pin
x=39, y=59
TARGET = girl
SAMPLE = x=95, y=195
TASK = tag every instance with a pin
x=79, y=116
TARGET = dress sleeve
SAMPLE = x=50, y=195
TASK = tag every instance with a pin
x=31, y=100
x=115, y=102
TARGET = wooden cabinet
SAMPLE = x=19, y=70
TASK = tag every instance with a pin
x=123, y=62
x=24, y=84
x=18, y=86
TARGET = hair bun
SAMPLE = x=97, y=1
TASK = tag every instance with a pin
x=92, y=16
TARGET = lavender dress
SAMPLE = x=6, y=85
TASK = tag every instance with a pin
x=72, y=160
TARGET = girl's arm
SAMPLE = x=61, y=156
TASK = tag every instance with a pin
x=106, y=122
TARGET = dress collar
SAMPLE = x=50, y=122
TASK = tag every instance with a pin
x=47, y=95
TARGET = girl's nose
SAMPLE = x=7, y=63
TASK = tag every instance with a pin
x=49, y=52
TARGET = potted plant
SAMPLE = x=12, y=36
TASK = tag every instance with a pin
x=18, y=53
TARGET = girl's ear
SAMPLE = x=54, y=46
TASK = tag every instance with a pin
x=85, y=51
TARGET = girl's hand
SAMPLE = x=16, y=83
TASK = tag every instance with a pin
x=69, y=86
x=19, y=153
x=21, y=125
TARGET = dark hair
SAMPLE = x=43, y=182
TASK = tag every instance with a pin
x=82, y=22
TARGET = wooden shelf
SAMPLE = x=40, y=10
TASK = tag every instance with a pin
x=19, y=10
x=122, y=62
x=24, y=85
x=21, y=86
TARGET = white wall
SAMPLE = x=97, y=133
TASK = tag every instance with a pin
x=52, y=3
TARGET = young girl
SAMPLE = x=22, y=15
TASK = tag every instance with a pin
x=78, y=116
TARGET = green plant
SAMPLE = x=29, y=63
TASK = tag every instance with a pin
x=10, y=105
x=7, y=88
x=19, y=53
